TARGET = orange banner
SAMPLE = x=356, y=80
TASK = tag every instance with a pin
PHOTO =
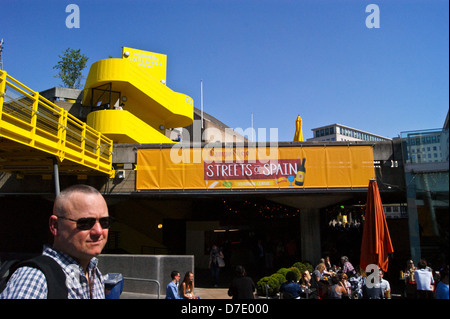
x=244, y=167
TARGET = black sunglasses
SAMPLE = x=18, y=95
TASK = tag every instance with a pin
x=86, y=223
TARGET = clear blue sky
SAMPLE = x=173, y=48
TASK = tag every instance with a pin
x=274, y=58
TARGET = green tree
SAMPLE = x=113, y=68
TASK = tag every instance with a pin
x=70, y=66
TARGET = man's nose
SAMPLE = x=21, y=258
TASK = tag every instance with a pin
x=97, y=228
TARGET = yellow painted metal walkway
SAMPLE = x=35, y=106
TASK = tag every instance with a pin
x=34, y=131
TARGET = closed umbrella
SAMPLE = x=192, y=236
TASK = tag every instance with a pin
x=376, y=242
x=298, y=137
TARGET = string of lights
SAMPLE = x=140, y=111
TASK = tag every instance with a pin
x=263, y=209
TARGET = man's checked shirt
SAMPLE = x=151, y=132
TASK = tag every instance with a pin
x=30, y=283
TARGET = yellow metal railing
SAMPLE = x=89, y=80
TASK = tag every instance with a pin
x=32, y=120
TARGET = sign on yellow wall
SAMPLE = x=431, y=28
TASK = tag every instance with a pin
x=256, y=168
x=153, y=63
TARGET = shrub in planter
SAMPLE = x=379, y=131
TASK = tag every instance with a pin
x=283, y=271
x=272, y=282
x=280, y=278
x=296, y=272
x=303, y=266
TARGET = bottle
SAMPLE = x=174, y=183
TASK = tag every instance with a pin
x=301, y=171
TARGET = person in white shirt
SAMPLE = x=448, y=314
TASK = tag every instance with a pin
x=424, y=280
x=385, y=286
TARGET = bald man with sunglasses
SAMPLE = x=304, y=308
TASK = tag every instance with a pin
x=79, y=225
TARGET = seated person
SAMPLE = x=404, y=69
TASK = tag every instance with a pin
x=291, y=289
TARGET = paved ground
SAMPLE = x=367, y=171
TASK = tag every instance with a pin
x=204, y=293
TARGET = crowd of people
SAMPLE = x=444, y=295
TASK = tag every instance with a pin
x=327, y=281
x=348, y=282
x=422, y=282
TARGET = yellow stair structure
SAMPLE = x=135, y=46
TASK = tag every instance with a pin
x=130, y=100
x=34, y=131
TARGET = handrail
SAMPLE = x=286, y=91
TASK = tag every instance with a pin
x=148, y=280
x=81, y=124
x=33, y=120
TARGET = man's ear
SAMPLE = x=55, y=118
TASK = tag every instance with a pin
x=53, y=225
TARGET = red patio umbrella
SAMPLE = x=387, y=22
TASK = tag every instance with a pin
x=376, y=242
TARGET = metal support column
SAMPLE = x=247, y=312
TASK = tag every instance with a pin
x=413, y=218
x=56, y=176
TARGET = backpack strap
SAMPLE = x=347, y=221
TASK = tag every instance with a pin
x=55, y=276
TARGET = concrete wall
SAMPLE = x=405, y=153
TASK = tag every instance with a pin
x=157, y=267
